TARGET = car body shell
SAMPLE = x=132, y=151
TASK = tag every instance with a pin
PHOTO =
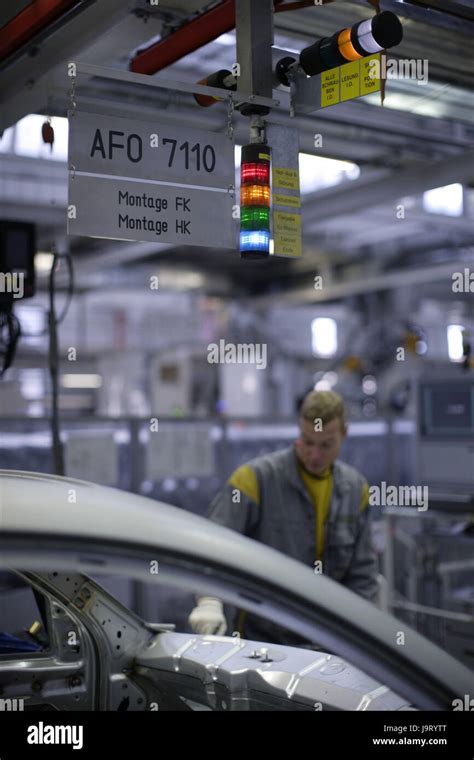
x=56, y=531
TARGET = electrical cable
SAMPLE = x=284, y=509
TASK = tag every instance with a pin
x=10, y=331
x=53, y=356
x=70, y=288
x=69, y=296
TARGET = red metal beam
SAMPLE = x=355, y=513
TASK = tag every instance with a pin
x=188, y=38
x=31, y=20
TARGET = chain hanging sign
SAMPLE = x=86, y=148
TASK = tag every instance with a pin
x=141, y=180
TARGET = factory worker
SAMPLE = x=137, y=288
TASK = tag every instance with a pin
x=305, y=503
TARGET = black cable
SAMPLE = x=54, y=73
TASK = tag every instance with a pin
x=53, y=356
x=10, y=331
x=69, y=295
x=70, y=288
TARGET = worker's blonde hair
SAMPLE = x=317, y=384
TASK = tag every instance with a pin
x=325, y=406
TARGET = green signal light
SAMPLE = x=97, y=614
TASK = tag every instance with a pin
x=252, y=218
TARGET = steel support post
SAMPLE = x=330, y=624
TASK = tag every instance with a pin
x=254, y=25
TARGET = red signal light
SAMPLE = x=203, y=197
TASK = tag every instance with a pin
x=255, y=174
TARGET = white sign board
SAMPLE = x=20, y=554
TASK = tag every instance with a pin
x=180, y=451
x=92, y=457
x=145, y=181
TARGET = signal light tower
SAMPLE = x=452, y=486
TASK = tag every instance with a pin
x=365, y=38
x=255, y=201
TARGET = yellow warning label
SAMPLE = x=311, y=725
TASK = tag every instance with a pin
x=286, y=200
x=350, y=81
x=330, y=87
x=287, y=234
x=370, y=74
x=287, y=179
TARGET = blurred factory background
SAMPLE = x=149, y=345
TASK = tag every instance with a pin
x=371, y=309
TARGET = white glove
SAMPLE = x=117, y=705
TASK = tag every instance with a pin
x=207, y=618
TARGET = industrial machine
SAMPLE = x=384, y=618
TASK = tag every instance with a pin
x=446, y=441
x=429, y=555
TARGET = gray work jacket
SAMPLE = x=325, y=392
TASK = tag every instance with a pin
x=285, y=520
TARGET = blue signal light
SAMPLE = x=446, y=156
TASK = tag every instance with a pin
x=255, y=241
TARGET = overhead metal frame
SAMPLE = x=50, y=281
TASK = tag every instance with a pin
x=238, y=97
x=186, y=39
x=395, y=279
x=361, y=195
x=370, y=125
x=192, y=35
x=441, y=136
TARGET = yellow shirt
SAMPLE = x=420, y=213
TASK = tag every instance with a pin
x=319, y=489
